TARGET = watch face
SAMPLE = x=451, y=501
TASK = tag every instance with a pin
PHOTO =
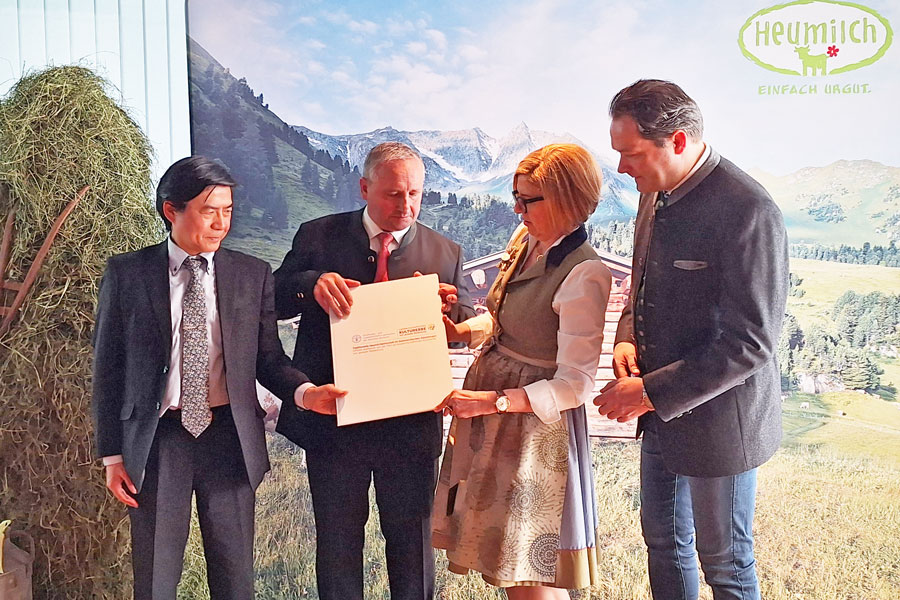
x=502, y=404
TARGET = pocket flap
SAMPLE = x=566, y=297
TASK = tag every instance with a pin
x=126, y=411
x=690, y=265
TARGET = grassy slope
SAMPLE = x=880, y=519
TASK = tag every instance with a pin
x=271, y=246
x=826, y=528
x=824, y=282
x=827, y=511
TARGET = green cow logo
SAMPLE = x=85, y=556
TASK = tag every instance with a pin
x=815, y=37
x=812, y=62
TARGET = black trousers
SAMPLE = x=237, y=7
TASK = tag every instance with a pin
x=404, y=492
x=212, y=467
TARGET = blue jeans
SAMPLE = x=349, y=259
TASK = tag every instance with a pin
x=718, y=509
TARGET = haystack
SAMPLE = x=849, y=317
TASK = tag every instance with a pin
x=60, y=131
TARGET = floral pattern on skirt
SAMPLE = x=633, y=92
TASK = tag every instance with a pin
x=499, y=506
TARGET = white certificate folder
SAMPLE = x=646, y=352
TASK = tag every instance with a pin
x=390, y=352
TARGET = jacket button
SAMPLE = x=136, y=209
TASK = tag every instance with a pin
x=165, y=369
x=641, y=318
x=158, y=405
x=300, y=295
x=371, y=258
x=643, y=347
x=641, y=333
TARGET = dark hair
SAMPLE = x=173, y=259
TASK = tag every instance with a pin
x=186, y=179
x=659, y=108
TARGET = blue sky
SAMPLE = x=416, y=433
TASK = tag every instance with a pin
x=349, y=67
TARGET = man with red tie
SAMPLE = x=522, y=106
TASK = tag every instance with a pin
x=329, y=256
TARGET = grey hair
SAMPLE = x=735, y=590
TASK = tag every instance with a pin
x=385, y=152
x=659, y=108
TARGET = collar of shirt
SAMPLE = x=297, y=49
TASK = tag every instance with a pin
x=372, y=230
x=532, y=243
x=177, y=256
x=704, y=156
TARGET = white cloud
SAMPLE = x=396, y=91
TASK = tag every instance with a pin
x=365, y=27
x=437, y=38
x=416, y=48
x=337, y=17
x=398, y=28
x=471, y=53
x=314, y=67
x=551, y=63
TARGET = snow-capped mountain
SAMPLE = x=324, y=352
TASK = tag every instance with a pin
x=470, y=161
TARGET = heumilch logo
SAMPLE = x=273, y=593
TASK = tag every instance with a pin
x=815, y=37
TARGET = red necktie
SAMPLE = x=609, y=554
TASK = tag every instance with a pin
x=381, y=273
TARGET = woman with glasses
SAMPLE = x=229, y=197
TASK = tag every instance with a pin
x=515, y=498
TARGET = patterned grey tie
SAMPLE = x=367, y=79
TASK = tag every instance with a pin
x=195, y=413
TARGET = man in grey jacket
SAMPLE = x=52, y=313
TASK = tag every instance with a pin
x=695, y=347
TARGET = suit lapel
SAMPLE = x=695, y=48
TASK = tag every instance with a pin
x=225, y=275
x=358, y=232
x=157, y=285
x=409, y=237
x=643, y=230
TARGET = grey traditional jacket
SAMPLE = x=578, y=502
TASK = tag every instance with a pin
x=709, y=285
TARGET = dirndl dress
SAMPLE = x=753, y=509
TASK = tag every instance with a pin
x=515, y=497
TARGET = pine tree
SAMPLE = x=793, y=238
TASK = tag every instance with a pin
x=860, y=372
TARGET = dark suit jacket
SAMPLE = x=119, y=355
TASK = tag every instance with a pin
x=714, y=264
x=132, y=348
x=339, y=243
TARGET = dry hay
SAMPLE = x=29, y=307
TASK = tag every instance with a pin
x=60, y=131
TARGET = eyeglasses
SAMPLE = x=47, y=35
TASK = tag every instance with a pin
x=522, y=203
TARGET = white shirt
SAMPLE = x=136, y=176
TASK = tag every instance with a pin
x=179, y=279
x=373, y=231
x=580, y=302
x=695, y=168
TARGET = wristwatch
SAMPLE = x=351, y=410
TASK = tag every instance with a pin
x=502, y=402
x=645, y=399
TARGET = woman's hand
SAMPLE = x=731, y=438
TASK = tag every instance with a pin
x=466, y=404
x=457, y=332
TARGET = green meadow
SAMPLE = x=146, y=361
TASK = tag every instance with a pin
x=828, y=516
x=824, y=282
x=828, y=505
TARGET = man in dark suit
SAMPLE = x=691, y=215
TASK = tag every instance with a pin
x=184, y=328
x=329, y=256
x=695, y=347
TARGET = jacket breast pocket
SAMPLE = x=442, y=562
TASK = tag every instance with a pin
x=690, y=265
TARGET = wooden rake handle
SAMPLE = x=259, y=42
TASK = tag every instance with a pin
x=32, y=273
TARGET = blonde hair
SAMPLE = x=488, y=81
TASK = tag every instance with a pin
x=568, y=177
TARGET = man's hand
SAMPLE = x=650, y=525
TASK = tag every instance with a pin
x=117, y=481
x=625, y=360
x=447, y=292
x=322, y=399
x=622, y=399
x=466, y=404
x=332, y=292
